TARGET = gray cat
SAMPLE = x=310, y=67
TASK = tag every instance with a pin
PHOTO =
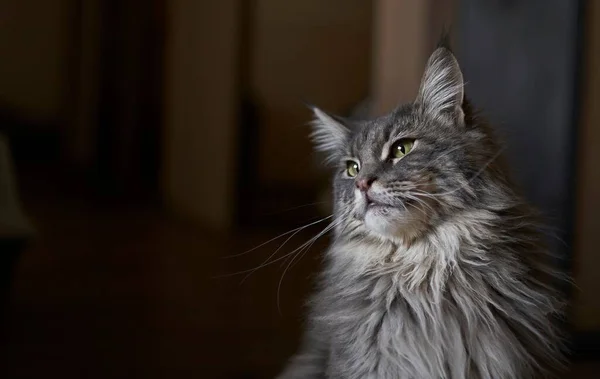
x=436, y=269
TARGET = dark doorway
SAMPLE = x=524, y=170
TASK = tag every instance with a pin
x=130, y=105
x=521, y=61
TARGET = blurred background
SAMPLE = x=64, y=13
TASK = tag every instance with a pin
x=142, y=143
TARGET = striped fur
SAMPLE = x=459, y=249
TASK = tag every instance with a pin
x=448, y=278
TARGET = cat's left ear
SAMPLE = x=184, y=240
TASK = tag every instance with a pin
x=329, y=134
x=442, y=87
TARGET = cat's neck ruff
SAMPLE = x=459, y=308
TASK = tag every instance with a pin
x=431, y=257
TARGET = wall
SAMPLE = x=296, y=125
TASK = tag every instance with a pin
x=305, y=50
x=32, y=46
x=200, y=109
x=405, y=34
x=400, y=52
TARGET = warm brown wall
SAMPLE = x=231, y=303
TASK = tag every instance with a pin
x=33, y=37
x=587, y=227
x=305, y=50
x=405, y=33
x=401, y=36
x=200, y=114
x=310, y=50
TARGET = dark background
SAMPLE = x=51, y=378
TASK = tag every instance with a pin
x=145, y=142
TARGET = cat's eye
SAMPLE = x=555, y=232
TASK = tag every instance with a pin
x=352, y=169
x=401, y=147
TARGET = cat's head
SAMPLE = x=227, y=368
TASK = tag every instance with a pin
x=397, y=175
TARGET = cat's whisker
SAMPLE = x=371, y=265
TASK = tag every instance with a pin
x=419, y=201
x=297, y=207
x=471, y=178
x=327, y=229
x=547, y=230
x=404, y=206
x=270, y=261
x=417, y=207
x=275, y=238
x=481, y=170
x=457, y=147
x=266, y=261
x=426, y=195
x=301, y=250
x=291, y=257
x=422, y=202
x=251, y=270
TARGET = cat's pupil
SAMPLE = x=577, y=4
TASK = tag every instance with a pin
x=401, y=148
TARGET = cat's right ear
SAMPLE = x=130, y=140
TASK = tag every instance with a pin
x=329, y=134
x=442, y=88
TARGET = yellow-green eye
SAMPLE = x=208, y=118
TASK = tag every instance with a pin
x=352, y=169
x=401, y=148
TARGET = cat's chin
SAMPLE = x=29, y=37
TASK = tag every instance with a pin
x=393, y=223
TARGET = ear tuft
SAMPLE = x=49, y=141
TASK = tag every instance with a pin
x=442, y=87
x=444, y=40
x=328, y=134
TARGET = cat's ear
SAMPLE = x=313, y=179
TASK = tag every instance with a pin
x=329, y=134
x=442, y=88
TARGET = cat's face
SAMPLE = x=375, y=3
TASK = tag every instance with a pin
x=398, y=174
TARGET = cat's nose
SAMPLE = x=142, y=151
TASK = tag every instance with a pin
x=364, y=184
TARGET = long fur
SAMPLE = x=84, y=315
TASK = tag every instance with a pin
x=465, y=288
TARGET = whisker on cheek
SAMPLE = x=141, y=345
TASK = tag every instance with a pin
x=420, y=202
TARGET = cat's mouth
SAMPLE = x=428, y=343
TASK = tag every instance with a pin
x=391, y=217
x=373, y=204
x=376, y=203
x=373, y=207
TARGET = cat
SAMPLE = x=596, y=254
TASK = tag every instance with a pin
x=437, y=267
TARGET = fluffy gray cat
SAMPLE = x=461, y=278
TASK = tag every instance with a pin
x=436, y=269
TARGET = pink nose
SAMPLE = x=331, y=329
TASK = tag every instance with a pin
x=364, y=184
